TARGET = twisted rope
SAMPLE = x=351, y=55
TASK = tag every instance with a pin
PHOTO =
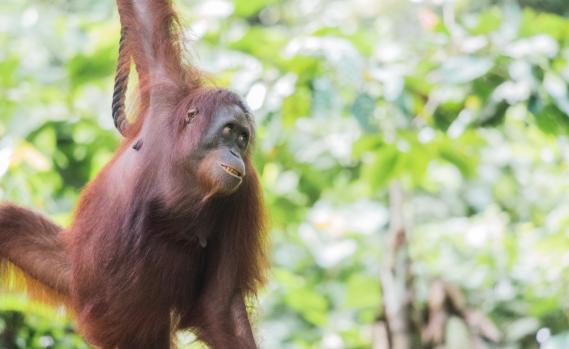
x=121, y=85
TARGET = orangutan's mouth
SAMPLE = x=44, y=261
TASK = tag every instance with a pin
x=231, y=170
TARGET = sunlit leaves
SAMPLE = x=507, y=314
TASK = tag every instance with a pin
x=542, y=23
x=303, y=298
x=552, y=120
x=409, y=159
x=87, y=68
x=250, y=7
x=384, y=166
x=464, y=104
x=363, y=108
x=8, y=69
x=362, y=292
x=5, y=158
x=488, y=22
x=265, y=44
x=296, y=105
x=462, y=69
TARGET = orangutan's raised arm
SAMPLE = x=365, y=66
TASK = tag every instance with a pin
x=153, y=37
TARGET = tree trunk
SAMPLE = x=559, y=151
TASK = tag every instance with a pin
x=395, y=277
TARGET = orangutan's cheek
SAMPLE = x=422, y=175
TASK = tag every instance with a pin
x=217, y=175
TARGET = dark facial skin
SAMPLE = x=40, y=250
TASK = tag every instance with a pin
x=226, y=142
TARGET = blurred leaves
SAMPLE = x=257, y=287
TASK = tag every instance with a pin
x=87, y=68
x=466, y=103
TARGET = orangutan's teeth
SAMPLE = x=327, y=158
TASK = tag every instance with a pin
x=231, y=170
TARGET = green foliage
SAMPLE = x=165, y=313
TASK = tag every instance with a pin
x=466, y=103
x=87, y=68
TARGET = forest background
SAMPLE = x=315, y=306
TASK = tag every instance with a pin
x=413, y=155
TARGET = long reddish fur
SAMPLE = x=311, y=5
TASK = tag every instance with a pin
x=134, y=237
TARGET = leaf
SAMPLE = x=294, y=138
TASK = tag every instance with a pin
x=493, y=114
x=462, y=69
x=303, y=298
x=246, y=8
x=363, y=108
x=417, y=161
x=362, y=291
x=84, y=68
x=8, y=66
x=464, y=162
x=311, y=305
x=383, y=167
x=521, y=328
x=488, y=22
x=17, y=302
x=45, y=140
x=365, y=144
x=543, y=23
x=363, y=40
x=265, y=44
x=296, y=105
x=552, y=120
x=557, y=89
x=305, y=67
x=447, y=112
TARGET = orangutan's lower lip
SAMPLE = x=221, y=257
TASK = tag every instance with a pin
x=231, y=170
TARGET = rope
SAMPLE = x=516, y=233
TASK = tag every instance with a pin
x=121, y=84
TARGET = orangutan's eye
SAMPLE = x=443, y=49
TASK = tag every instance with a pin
x=191, y=115
x=242, y=141
x=227, y=130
